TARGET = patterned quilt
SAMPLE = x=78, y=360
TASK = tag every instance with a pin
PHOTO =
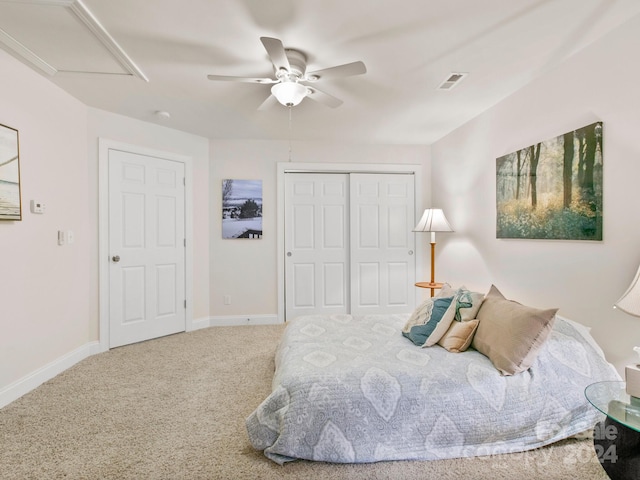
x=352, y=389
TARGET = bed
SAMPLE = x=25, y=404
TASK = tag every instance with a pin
x=353, y=389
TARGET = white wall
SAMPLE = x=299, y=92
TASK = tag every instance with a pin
x=45, y=299
x=246, y=269
x=583, y=279
x=49, y=293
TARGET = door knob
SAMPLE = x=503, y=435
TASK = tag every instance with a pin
x=410, y=252
x=288, y=254
x=115, y=258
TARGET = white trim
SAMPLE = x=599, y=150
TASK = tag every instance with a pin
x=82, y=13
x=204, y=322
x=290, y=167
x=238, y=320
x=26, y=54
x=95, y=27
x=104, y=145
x=33, y=380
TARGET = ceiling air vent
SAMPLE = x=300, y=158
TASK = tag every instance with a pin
x=451, y=81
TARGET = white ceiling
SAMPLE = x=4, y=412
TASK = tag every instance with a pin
x=408, y=46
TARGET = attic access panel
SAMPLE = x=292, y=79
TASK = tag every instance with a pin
x=61, y=36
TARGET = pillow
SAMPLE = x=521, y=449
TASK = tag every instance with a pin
x=442, y=326
x=511, y=334
x=467, y=304
x=422, y=323
x=445, y=291
x=459, y=336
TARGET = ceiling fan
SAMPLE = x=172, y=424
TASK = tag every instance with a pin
x=290, y=86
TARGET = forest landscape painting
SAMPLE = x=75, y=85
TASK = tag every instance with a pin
x=10, y=205
x=242, y=209
x=553, y=189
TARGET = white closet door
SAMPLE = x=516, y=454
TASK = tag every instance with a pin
x=382, y=243
x=316, y=244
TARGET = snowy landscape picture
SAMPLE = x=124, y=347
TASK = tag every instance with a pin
x=242, y=209
x=10, y=207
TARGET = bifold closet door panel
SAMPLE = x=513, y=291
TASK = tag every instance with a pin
x=382, y=248
x=316, y=244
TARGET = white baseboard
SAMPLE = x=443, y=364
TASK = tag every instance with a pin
x=20, y=387
x=237, y=320
x=199, y=323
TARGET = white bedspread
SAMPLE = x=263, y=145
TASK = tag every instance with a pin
x=353, y=389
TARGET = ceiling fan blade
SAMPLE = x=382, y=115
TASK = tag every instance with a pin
x=276, y=52
x=323, y=97
x=270, y=102
x=225, y=78
x=346, y=70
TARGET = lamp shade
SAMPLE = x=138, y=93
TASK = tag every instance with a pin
x=433, y=220
x=630, y=300
x=289, y=94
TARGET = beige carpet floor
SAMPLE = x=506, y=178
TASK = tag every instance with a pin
x=174, y=408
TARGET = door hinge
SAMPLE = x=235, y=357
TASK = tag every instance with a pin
x=184, y=181
x=185, y=242
x=185, y=304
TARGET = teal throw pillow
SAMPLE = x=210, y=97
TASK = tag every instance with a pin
x=429, y=314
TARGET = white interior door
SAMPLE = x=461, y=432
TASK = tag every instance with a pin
x=146, y=247
x=382, y=243
x=316, y=244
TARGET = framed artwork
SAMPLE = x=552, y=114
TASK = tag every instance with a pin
x=242, y=209
x=553, y=189
x=10, y=202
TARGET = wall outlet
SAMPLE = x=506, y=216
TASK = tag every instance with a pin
x=70, y=237
x=227, y=299
x=62, y=237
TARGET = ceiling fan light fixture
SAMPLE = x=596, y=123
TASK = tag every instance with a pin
x=289, y=94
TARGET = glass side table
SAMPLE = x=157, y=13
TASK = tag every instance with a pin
x=616, y=440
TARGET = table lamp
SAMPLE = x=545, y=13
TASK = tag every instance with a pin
x=433, y=220
x=630, y=303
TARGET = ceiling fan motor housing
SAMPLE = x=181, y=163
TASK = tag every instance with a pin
x=297, y=62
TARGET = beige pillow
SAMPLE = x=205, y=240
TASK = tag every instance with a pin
x=511, y=334
x=459, y=336
x=446, y=291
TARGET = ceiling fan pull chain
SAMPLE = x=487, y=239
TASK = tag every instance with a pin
x=290, y=108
